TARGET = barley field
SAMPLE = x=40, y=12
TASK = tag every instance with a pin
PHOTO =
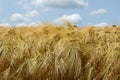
x=54, y=52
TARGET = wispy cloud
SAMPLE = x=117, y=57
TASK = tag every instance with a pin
x=74, y=18
x=5, y=24
x=99, y=11
x=60, y=3
x=29, y=24
x=19, y=18
x=102, y=24
x=32, y=13
x=25, y=4
x=24, y=17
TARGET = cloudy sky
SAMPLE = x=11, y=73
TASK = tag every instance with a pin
x=80, y=12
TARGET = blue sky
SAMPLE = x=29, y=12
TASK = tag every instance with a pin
x=80, y=12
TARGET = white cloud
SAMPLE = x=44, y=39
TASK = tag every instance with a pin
x=33, y=23
x=21, y=24
x=25, y=4
x=26, y=7
x=5, y=24
x=99, y=11
x=19, y=18
x=60, y=3
x=24, y=17
x=102, y=24
x=16, y=16
x=74, y=18
x=33, y=13
x=29, y=24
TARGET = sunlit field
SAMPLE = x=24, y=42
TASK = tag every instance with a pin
x=54, y=52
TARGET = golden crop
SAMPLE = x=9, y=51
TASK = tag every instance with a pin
x=52, y=52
